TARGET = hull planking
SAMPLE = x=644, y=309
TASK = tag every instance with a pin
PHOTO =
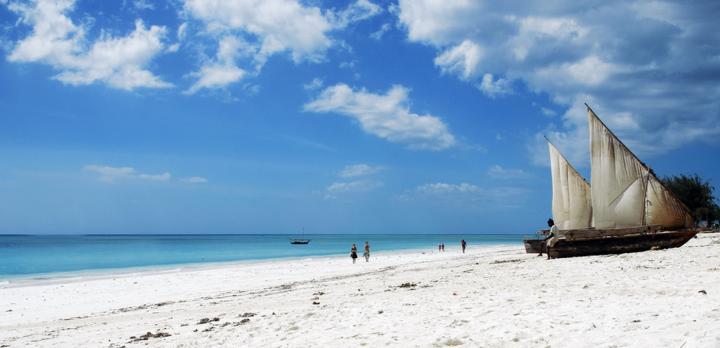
x=618, y=241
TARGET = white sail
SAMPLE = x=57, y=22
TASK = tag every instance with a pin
x=571, y=205
x=662, y=208
x=618, y=180
x=625, y=193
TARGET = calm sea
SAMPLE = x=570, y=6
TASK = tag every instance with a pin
x=24, y=255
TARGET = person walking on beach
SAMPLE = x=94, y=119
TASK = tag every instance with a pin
x=353, y=253
x=551, y=239
x=367, y=252
x=463, y=244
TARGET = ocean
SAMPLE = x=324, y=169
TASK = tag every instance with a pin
x=48, y=255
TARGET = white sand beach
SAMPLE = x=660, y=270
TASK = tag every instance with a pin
x=490, y=297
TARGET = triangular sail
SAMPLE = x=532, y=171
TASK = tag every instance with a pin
x=662, y=208
x=625, y=192
x=571, y=205
x=618, y=179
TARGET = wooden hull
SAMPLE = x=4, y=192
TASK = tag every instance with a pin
x=533, y=246
x=603, y=242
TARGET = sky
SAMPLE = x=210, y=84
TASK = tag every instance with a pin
x=365, y=116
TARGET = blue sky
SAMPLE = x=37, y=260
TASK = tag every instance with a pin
x=199, y=116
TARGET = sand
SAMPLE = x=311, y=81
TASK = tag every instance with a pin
x=491, y=297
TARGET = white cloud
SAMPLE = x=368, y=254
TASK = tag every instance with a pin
x=354, y=171
x=143, y=5
x=358, y=11
x=194, y=180
x=437, y=22
x=338, y=188
x=155, y=177
x=182, y=31
x=278, y=25
x=498, y=172
x=462, y=59
x=548, y=112
x=347, y=64
x=469, y=194
x=316, y=83
x=627, y=59
x=119, y=62
x=386, y=116
x=378, y=35
x=173, y=48
x=112, y=174
x=361, y=169
x=267, y=28
x=445, y=188
x=221, y=71
x=495, y=87
x=215, y=76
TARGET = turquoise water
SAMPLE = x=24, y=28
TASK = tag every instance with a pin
x=24, y=255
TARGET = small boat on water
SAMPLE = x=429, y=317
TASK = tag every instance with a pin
x=300, y=240
x=626, y=208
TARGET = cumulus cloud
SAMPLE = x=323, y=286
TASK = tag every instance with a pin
x=215, y=76
x=361, y=169
x=385, y=115
x=495, y=87
x=462, y=59
x=628, y=59
x=221, y=71
x=267, y=28
x=112, y=174
x=119, y=62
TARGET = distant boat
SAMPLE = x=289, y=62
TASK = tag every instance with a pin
x=300, y=240
x=626, y=209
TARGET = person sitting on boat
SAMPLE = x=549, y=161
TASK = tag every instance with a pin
x=551, y=238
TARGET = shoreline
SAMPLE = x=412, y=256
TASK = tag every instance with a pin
x=63, y=277
x=496, y=296
x=53, y=256
x=17, y=280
